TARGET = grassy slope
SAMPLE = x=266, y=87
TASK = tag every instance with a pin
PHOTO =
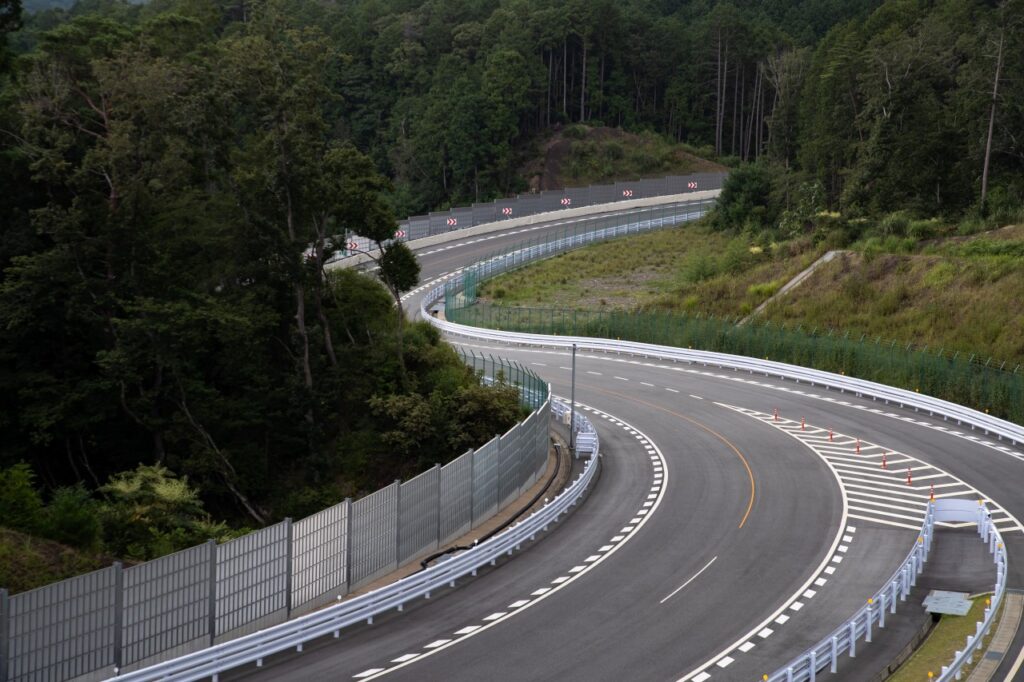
x=959, y=294
x=578, y=155
x=690, y=269
x=27, y=562
x=962, y=294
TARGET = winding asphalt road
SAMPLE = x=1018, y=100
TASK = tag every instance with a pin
x=718, y=543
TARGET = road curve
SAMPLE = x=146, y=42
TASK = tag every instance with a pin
x=728, y=576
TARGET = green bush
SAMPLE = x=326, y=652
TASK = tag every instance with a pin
x=149, y=512
x=924, y=229
x=575, y=132
x=72, y=518
x=699, y=267
x=20, y=504
x=764, y=290
x=894, y=224
x=746, y=193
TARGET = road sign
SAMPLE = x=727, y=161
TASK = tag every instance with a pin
x=507, y=211
x=627, y=192
x=452, y=222
x=566, y=201
x=400, y=234
x=352, y=246
x=691, y=185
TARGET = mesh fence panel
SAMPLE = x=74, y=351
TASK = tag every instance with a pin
x=66, y=630
x=418, y=515
x=319, y=558
x=508, y=469
x=374, y=535
x=252, y=581
x=485, y=482
x=456, y=512
x=167, y=606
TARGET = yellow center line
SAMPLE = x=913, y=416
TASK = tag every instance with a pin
x=746, y=465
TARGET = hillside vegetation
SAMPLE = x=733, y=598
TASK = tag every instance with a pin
x=175, y=173
x=580, y=155
x=957, y=293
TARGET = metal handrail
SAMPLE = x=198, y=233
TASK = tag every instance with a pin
x=990, y=534
x=844, y=638
x=295, y=633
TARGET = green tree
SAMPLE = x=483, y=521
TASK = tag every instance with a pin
x=149, y=512
x=20, y=502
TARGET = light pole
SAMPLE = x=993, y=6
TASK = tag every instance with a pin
x=572, y=405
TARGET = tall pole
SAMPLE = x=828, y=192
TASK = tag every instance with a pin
x=572, y=405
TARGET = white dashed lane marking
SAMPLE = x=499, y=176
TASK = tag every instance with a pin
x=589, y=563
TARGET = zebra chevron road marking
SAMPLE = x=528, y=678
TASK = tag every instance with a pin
x=895, y=494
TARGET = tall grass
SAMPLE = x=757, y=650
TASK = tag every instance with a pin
x=980, y=383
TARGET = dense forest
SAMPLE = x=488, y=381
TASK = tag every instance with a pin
x=172, y=172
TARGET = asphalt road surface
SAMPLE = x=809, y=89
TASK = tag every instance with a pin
x=718, y=542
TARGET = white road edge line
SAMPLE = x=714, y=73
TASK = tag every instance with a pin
x=813, y=575
x=695, y=576
x=632, y=533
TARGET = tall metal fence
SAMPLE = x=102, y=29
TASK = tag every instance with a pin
x=120, y=619
x=418, y=227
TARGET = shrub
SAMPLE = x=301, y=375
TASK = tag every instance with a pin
x=72, y=518
x=575, y=132
x=20, y=503
x=764, y=290
x=699, y=267
x=746, y=189
x=894, y=224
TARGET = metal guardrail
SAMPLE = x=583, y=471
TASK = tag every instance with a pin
x=989, y=534
x=331, y=620
x=964, y=416
x=549, y=201
x=844, y=638
x=585, y=435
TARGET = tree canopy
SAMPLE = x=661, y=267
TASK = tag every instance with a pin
x=176, y=173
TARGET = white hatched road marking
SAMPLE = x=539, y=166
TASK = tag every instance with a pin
x=875, y=494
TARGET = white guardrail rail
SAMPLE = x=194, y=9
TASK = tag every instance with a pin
x=331, y=620
x=825, y=653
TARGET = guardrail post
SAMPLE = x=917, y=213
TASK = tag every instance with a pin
x=118, y=613
x=853, y=638
x=835, y=654
x=881, y=610
x=212, y=594
x=867, y=628
x=5, y=625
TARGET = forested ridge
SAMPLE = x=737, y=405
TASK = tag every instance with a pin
x=173, y=171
